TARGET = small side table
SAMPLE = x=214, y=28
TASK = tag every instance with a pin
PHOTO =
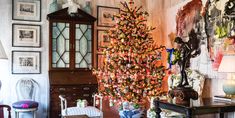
x=196, y=107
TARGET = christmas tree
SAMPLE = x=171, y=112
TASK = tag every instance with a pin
x=132, y=68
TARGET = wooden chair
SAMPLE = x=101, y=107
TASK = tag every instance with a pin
x=2, y=111
x=90, y=111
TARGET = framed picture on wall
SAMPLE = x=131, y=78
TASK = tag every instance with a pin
x=25, y=35
x=102, y=38
x=100, y=60
x=28, y=10
x=105, y=16
x=26, y=62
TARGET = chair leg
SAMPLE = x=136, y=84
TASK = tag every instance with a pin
x=34, y=114
x=16, y=114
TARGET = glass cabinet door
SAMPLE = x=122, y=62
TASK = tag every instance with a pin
x=83, y=47
x=60, y=45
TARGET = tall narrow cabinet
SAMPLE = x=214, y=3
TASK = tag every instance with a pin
x=71, y=54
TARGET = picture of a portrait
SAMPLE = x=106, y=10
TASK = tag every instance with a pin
x=26, y=35
x=106, y=16
x=102, y=38
x=26, y=62
x=26, y=10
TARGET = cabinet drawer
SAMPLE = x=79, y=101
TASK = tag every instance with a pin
x=65, y=89
x=89, y=88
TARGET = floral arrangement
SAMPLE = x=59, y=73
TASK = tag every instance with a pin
x=82, y=103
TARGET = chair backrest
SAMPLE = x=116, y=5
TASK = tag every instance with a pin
x=63, y=104
x=95, y=97
x=2, y=111
x=26, y=89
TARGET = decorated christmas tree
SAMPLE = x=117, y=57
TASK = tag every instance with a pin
x=132, y=69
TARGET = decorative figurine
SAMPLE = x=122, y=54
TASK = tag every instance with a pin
x=87, y=7
x=190, y=49
x=72, y=7
x=53, y=6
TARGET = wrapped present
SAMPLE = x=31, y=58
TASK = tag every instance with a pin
x=82, y=103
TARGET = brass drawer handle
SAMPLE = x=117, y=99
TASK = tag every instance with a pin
x=62, y=89
x=86, y=95
x=86, y=88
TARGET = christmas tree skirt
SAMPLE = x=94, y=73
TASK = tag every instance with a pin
x=137, y=113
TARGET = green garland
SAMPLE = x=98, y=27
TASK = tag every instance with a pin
x=176, y=54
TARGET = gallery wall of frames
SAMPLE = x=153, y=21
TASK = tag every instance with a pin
x=105, y=21
x=26, y=36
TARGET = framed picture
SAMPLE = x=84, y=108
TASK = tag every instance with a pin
x=28, y=10
x=106, y=16
x=102, y=38
x=100, y=60
x=26, y=62
x=25, y=35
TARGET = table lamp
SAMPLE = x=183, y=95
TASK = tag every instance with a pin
x=2, y=56
x=227, y=65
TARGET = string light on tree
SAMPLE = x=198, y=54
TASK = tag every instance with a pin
x=132, y=68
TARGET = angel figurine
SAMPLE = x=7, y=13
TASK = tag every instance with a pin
x=188, y=50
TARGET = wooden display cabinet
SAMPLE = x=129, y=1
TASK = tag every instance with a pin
x=71, y=55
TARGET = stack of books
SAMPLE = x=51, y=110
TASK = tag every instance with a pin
x=224, y=98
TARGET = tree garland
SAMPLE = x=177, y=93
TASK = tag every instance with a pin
x=172, y=53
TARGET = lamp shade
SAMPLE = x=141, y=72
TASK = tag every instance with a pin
x=227, y=64
x=2, y=52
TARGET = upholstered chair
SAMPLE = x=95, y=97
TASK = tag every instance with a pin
x=90, y=111
x=26, y=89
